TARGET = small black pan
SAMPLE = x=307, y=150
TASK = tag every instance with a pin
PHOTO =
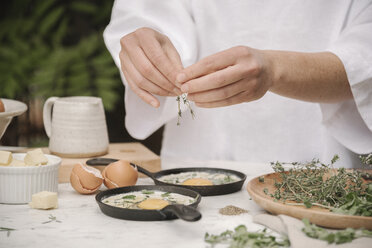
x=185, y=212
x=221, y=189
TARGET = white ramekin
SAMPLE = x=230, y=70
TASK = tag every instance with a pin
x=17, y=184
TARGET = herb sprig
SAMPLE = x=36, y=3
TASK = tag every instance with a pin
x=7, y=230
x=317, y=184
x=52, y=219
x=241, y=237
x=366, y=159
x=183, y=98
x=338, y=237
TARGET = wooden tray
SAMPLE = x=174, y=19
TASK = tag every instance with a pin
x=316, y=215
x=133, y=152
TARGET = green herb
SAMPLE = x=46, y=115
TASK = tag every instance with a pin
x=266, y=191
x=132, y=197
x=227, y=179
x=165, y=194
x=147, y=192
x=338, y=237
x=315, y=183
x=51, y=219
x=186, y=102
x=241, y=237
x=356, y=205
x=261, y=179
x=7, y=230
x=366, y=159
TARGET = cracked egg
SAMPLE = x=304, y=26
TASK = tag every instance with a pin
x=119, y=174
x=85, y=179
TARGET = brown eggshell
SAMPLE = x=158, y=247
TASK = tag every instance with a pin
x=2, y=107
x=85, y=179
x=119, y=174
x=107, y=182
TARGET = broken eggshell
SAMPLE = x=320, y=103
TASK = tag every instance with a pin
x=119, y=174
x=85, y=179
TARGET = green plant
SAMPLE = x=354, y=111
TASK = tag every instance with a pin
x=241, y=237
x=338, y=237
x=314, y=183
x=56, y=48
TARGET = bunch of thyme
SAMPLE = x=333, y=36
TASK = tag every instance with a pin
x=322, y=185
x=186, y=102
x=241, y=237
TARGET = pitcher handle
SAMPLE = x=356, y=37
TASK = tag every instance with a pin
x=47, y=114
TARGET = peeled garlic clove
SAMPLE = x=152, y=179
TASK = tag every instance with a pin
x=85, y=179
x=119, y=174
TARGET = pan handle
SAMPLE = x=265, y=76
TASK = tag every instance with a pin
x=100, y=161
x=184, y=212
x=144, y=171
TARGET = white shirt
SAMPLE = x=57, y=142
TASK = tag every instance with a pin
x=273, y=128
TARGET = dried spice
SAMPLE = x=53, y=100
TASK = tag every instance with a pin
x=232, y=210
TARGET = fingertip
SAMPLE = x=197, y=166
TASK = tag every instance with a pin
x=185, y=88
x=181, y=77
x=154, y=103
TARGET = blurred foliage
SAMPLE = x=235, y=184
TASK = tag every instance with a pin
x=55, y=48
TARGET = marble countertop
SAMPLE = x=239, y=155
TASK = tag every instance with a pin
x=82, y=224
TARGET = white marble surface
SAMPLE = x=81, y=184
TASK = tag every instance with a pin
x=84, y=225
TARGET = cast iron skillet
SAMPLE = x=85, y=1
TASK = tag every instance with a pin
x=211, y=190
x=188, y=213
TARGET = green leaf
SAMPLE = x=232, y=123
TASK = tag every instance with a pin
x=42, y=7
x=132, y=197
x=308, y=204
x=51, y=20
x=84, y=7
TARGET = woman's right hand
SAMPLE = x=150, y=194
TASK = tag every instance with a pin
x=150, y=64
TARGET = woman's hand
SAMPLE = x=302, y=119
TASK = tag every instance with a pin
x=150, y=64
x=239, y=74
x=243, y=74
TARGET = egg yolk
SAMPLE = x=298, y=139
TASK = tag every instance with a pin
x=153, y=204
x=197, y=182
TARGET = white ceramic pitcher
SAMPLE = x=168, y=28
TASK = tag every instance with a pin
x=77, y=128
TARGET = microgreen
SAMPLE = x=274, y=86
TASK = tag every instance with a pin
x=132, y=197
x=147, y=192
x=165, y=194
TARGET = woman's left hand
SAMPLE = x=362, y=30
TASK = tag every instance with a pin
x=239, y=74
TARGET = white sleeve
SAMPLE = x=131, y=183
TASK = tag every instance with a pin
x=350, y=122
x=172, y=18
